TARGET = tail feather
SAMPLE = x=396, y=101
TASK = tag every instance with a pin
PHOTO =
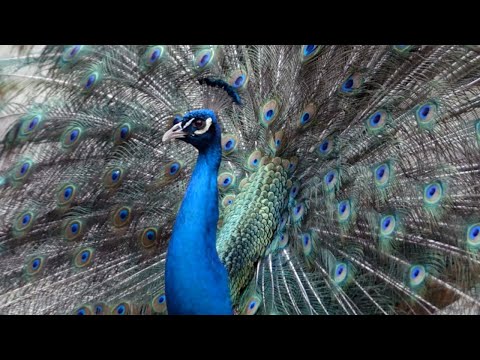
x=348, y=184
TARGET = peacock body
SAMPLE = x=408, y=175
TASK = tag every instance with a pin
x=301, y=179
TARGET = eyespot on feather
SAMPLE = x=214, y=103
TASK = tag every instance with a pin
x=229, y=143
x=122, y=133
x=34, y=265
x=352, y=84
x=253, y=161
x=226, y=181
x=203, y=59
x=71, y=137
x=341, y=273
x=433, y=193
x=83, y=310
x=376, y=122
x=153, y=56
x=307, y=115
x=148, y=237
x=308, y=52
x=173, y=169
x=123, y=308
x=252, y=304
x=23, y=222
x=276, y=141
x=66, y=194
x=269, y=112
x=73, y=229
x=473, y=236
x=83, y=257
x=159, y=303
x=122, y=216
x=22, y=170
x=91, y=81
x=238, y=79
x=30, y=124
x=113, y=177
x=417, y=275
x=426, y=114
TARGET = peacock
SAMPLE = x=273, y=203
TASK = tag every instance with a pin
x=240, y=179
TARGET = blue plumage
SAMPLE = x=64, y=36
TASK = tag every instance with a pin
x=196, y=282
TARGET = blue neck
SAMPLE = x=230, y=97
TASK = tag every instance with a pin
x=196, y=282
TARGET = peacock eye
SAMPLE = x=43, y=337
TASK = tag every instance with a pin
x=199, y=124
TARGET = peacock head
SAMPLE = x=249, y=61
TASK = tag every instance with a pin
x=198, y=128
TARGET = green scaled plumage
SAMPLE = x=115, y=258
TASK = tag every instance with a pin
x=349, y=181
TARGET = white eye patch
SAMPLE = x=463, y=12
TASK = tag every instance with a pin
x=188, y=123
x=205, y=129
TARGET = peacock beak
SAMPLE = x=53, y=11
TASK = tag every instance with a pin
x=176, y=132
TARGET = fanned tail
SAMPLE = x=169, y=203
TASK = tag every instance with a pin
x=348, y=184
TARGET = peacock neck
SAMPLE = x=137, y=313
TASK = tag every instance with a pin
x=196, y=280
x=200, y=204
